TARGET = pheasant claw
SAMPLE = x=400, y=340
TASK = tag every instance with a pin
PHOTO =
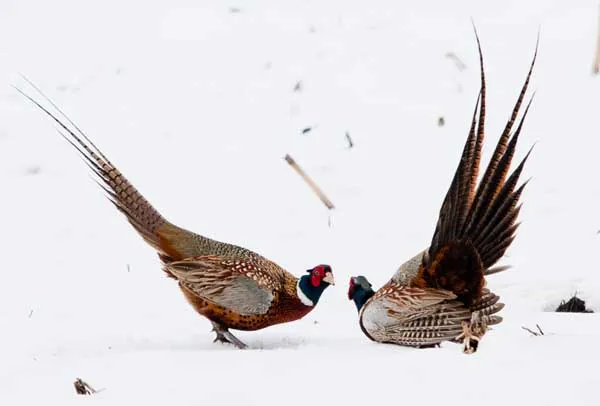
x=472, y=332
x=225, y=336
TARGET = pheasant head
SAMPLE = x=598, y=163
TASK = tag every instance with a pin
x=311, y=286
x=360, y=291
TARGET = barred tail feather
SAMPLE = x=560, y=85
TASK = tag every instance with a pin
x=171, y=242
x=476, y=225
x=139, y=212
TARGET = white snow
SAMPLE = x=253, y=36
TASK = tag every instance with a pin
x=194, y=101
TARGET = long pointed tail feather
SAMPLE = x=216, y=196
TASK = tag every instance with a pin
x=138, y=211
x=502, y=144
x=476, y=225
x=456, y=202
x=172, y=243
x=486, y=201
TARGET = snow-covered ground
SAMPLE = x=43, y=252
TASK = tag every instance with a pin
x=195, y=102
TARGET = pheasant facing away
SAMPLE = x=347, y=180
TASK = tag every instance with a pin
x=440, y=294
x=233, y=287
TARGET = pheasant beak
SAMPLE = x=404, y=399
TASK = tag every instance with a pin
x=329, y=278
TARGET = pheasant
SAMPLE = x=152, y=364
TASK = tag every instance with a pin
x=233, y=287
x=440, y=294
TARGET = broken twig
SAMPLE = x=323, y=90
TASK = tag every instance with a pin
x=310, y=182
x=535, y=333
x=349, y=139
x=82, y=387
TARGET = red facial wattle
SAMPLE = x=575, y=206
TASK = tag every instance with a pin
x=351, y=289
x=317, y=274
x=315, y=280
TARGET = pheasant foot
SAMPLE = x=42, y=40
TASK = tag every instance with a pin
x=472, y=332
x=225, y=336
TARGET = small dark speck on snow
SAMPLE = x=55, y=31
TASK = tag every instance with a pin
x=33, y=170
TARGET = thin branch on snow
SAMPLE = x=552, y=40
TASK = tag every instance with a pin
x=349, y=139
x=310, y=182
x=535, y=333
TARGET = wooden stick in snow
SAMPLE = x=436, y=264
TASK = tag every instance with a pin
x=535, y=333
x=82, y=387
x=349, y=139
x=310, y=182
x=596, y=66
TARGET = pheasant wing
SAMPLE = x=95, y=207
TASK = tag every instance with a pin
x=414, y=316
x=241, y=285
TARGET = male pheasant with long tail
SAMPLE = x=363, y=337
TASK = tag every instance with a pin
x=233, y=287
x=440, y=294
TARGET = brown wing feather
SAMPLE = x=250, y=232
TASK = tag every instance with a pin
x=240, y=285
x=413, y=316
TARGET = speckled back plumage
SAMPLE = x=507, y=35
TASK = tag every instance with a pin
x=188, y=244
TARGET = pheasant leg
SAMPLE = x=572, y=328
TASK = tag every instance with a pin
x=225, y=336
x=472, y=332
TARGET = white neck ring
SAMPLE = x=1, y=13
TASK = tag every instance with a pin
x=303, y=298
